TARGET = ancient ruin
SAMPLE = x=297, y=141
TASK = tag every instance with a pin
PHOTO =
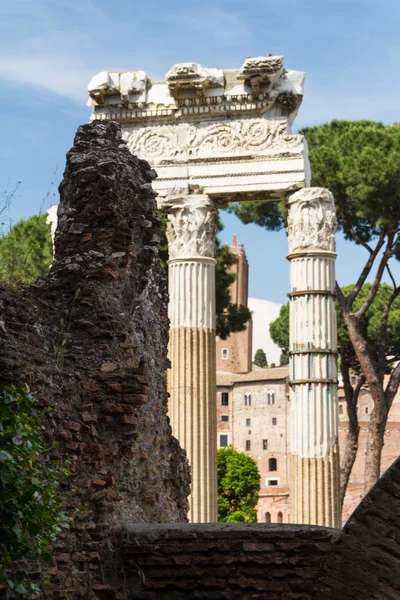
x=239, y=561
x=213, y=137
x=90, y=340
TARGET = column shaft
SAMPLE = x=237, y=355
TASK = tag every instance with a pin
x=192, y=377
x=314, y=461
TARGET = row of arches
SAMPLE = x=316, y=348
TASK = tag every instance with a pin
x=279, y=517
x=270, y=398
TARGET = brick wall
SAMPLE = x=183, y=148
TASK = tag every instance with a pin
x=275, y=562
x=90, y=339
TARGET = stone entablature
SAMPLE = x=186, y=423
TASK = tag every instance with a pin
x=225, y=133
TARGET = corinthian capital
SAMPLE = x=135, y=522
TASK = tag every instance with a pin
x=191, y=226
x=312, y=220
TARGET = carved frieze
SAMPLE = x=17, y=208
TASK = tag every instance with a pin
x=155, y=143
x=204, y=140
x=241, y=136
x=191, y=225
x=312, y=220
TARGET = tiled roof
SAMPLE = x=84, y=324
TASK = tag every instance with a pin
x=227, y=379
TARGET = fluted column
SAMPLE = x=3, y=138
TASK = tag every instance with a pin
x=191, y=231
x=314, y=450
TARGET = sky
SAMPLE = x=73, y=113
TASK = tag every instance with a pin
x=50, y=49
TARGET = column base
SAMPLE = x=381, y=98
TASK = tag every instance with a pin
x=315, y=489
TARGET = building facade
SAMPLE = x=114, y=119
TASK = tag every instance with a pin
x=253, y=415
x=235, y=353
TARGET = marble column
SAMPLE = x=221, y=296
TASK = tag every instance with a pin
x=191, y=232
x=314, y=450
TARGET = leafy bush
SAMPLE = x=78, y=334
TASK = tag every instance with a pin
x=238, y=486
x=30, y=514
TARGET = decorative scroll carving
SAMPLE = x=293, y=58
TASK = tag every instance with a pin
x=195, y=76
x=241, y=136
x=155, y=143
x=312, y=220
x=191, y=227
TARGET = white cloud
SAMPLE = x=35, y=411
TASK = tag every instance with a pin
x=263, y=312
x=48, y=74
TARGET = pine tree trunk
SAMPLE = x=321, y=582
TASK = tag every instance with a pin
x=348, y=460
x=379, y=414
x=351, y=447
x=375, y=443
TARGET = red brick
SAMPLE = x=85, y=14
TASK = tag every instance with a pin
x=64, y=557
x=79, y=557
x=100, y=483
x=129, y=419
x=92, y=448
x=72, y=425
x=89, y=418
x=115, y=388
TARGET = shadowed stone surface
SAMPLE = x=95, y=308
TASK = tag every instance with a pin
x=270, y=562
x=90, y=339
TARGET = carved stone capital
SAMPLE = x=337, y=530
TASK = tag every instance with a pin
x=312, y=220
x=191, y=226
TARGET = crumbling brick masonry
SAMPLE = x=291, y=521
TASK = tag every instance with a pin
x=90, y=339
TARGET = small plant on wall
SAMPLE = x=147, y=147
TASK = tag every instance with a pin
x=30, y=505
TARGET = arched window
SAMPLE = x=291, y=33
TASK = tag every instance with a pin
x=340, y=409
x=247, y=399
x=280, y=517
x=268, y=517
x=271, y=397
x=272, y=466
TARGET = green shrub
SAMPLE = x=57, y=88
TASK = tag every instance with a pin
x=30, y=513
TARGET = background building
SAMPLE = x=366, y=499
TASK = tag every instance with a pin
x=235, y=353
x=253, y=414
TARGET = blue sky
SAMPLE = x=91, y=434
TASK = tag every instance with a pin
x=49, y=49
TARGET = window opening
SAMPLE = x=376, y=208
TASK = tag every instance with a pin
x=272, y=464
x=223, y=441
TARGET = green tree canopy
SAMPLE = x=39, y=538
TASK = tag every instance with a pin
x=279, y=332
x=238, y=486
x=26, y=252
x=260, y=359
x=279, y=329
x=359, y=162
